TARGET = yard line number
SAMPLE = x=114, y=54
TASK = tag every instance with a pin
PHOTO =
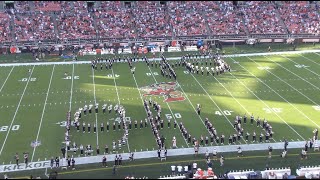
x=176, y=115
x=69, y=77
x=301, y=66
x=111, y=76
x=13, y=128
x=225, y=112
x=264, y=67
x=26, y=79
x=154, y=73
x=270, y=110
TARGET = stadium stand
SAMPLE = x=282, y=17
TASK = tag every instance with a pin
x=151, y=19
x=185, y=19
x=223, y=18
x=115, y=21
x=4, y=27
x=52, y=20
x=33, y=26
x=300, y=17
x=260, y=18
x=74, y=21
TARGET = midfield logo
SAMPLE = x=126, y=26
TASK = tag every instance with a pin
x=167, y=89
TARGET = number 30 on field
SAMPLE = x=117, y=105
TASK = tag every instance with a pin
x=5, y=128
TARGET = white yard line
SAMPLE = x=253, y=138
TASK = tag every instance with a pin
x=299, y=64
x=6, y=79
x=14, y=116
x=309, y=59
x=215, y=104
x=194, y=108
x=270, y=89
x=189, y=102
x=235, y=99
x=115, y=85
x=44, y=108
x=169, y=107
x=71, y=94
x=292, y=73
x=288, y=101
x=72, y=77
x=267, y=105
x=142, y=98
x=95, y=102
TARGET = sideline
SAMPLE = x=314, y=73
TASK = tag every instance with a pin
x=163, y=163
x=157, y=59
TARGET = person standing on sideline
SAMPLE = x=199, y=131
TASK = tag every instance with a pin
x=270, y=151
x=17, y=158
x=73, y=163
x=221, y=160
x=104, y=161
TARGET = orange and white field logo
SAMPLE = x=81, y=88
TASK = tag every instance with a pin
x=167, y=89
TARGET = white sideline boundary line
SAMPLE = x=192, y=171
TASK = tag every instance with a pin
x=6, y=79
x=169, y=107
x=115, y=85
x=44, y=108
x=14, y=116
x=158, y=59
x=216, y=105
x=153, y=154
x=288, y=101
x=274, y=92
x=95, y=102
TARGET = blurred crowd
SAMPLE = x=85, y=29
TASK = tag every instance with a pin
x=40, y=20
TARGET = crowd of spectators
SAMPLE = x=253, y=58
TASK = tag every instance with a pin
x=151, y=19
x=185, y=19
x=39, y=20
x=260, y=18
x=115, y=21
x=33, y=26
x=47, y=6
x=5, y=27
x=300, y=17
x=223, y=18
x=74, y=21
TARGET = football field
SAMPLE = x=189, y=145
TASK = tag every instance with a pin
x=284, y=89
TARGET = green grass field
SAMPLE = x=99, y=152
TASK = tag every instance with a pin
x=284, y=89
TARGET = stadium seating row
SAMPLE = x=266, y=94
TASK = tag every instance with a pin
x=72, y=20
